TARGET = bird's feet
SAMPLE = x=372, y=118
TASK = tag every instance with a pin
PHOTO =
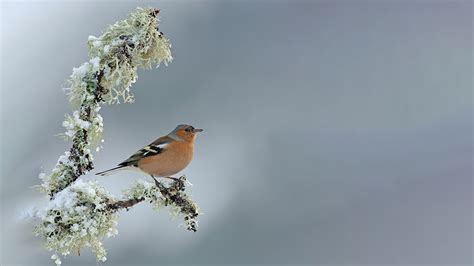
x=156, y=181
x=168, y=177
x=172, y=178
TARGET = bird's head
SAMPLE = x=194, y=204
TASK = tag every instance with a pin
x=184, y=133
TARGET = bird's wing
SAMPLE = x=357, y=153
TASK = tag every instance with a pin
x=156, y=147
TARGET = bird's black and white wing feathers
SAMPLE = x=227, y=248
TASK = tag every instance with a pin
x=156, y=147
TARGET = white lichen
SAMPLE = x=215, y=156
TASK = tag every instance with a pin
x=126, y=46
x=77, y=217
x=173, y=197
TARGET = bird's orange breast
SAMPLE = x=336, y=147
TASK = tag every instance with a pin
x=175, y=158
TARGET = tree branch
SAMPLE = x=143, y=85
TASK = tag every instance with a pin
x=173, y=195
x=124, y=204
x=82, y=213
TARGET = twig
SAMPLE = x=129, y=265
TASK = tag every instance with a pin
x=124, y=204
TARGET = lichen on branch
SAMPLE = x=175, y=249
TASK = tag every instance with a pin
x=80, y=214
x=84, y=213
x=77, y=217
x=160, y=196
x=115, y=57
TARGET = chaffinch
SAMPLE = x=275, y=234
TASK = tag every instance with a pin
x=163, y=157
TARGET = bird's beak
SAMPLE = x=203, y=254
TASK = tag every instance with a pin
x=196, y=130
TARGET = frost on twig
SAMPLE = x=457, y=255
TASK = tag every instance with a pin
x=160, y=196
x=80, y=214
x=84, y=213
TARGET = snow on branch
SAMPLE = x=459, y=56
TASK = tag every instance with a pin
x=80, y=214
x=161, y=196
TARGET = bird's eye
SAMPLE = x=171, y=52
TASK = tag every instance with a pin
x=187, y=129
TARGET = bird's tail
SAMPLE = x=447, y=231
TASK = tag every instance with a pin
x=113, y=170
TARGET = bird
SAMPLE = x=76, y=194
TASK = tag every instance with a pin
x=164, y=157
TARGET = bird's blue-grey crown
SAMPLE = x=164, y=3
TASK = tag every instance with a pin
x=173, y=134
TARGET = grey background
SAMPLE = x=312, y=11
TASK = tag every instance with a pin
x=335, y=132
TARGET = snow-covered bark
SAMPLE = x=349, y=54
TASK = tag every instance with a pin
x=80, y=214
